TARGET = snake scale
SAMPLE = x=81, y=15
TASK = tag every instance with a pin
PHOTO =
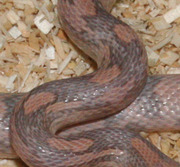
x=98, y=115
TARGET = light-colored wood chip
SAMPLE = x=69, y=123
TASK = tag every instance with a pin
x=172, y=15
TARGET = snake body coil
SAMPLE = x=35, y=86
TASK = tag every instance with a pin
x=119, y=84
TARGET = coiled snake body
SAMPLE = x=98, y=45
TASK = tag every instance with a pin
x=118, y=89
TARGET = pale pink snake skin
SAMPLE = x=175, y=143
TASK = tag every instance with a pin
x=111, y=105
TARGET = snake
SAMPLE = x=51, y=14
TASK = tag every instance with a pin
x=93, y=120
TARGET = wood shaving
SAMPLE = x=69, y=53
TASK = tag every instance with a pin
x=34, y=49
